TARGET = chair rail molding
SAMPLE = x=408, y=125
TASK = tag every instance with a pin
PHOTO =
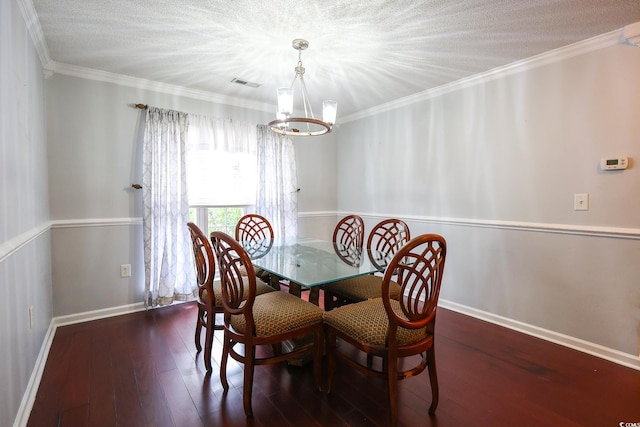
x=14, y=244
x=583, y=230
x=95, y=222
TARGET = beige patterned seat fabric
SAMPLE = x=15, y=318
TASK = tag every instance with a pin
x=261, y=288
x=298, y=313
x=363, y=288
x=367, y=322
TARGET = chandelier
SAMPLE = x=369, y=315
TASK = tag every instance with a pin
x=286, y=123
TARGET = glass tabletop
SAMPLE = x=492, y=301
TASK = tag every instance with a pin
x=310, y=262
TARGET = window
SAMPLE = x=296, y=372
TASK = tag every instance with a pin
x=216, y=218
x=221, y=169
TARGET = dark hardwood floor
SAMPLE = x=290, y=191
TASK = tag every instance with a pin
x=142, y=370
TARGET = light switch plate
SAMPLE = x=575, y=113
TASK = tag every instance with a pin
x=581, y=202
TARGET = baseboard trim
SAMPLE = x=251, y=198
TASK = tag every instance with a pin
x=29, y=397
x=97, y=314
x=616, y=356
x=22, y=418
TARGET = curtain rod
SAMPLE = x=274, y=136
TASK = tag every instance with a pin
x=141, y=106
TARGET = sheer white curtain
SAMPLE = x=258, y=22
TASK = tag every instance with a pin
x=277, y=193
x=168, y=261
x=221, y=162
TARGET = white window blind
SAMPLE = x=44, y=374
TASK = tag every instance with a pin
x=221, y=162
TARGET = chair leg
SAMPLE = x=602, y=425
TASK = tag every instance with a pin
x=249, y=366
x=198, y=330
x=317, y=358
x=330, y=342
x=433, y=379
x=223, y=363
x=392, y=386
x=208, y=342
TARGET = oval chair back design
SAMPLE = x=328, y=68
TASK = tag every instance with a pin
x=418, y=268
x=386, y=238
x=256, y=234
x=349, y=231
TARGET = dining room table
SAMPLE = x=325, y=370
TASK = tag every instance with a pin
x=308, y=263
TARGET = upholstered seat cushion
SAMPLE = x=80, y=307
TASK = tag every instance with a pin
x=260, y=273
x=362, y=288
x=368, y=323
x=261, y=288
x=279, y=312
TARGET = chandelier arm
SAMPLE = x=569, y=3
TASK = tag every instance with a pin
x=282, y=124
x=293, y=82
x=308, y=111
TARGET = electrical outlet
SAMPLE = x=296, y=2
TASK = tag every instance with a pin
x=125, y=270
x=30, y=317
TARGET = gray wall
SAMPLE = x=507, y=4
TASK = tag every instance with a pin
x=494, y=166
x=25, y=254
x=95, y=155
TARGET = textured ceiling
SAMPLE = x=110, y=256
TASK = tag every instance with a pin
x=361, y=53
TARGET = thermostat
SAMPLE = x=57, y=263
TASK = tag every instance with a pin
x=613, y=163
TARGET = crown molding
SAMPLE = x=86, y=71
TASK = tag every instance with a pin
x=32, y=22
x=582, y=47
x=144, y=84
x=631, y=34
x=625, y=35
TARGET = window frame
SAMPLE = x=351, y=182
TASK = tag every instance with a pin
x=201, y=217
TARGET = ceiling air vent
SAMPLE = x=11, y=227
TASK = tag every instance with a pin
x=245, y=83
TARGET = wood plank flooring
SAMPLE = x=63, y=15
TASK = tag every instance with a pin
x=142, y=370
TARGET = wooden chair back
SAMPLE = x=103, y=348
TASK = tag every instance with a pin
x=207, y=308
x=417, y=267
x=349, y=232
x=238, y=289
x=256, y=234
x=204, y=261
x=385, y=239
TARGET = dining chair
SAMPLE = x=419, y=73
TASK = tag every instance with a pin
x=209, y=298
x=256, y=234
x=254, y=228
x=394, y=329
x=265, y=321
x=348, y=237
x=209, y=291
x=349, y=232
x=385, y=239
